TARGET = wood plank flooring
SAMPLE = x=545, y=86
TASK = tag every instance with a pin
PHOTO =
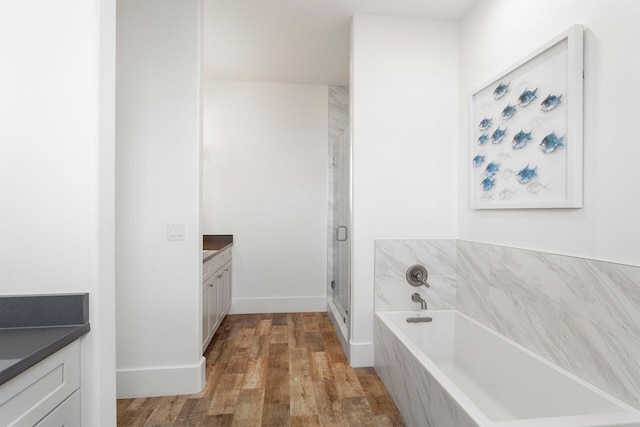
x=273, y=370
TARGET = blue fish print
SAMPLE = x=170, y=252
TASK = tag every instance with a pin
x=485, y=124
x=520, y=140
x=527, y=174
x=527, y=97
x=508, y=111
x=483, y=139
x=501, y=90
x=491, y=169
x=497, y=135
x=550, y=102
x=487, y=183
x=478, y=160
x=551, y=142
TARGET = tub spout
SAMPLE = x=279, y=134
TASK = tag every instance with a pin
x=417, y=298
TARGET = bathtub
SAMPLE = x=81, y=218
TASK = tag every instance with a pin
x=456, y=372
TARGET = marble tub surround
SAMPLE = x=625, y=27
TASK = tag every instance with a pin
x=392, y=259
x=422, y=401
x=581, y=314
x=455, y=371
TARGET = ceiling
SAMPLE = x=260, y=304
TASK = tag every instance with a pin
x=297, y=41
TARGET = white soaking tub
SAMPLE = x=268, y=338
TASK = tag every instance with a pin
x=456, y=372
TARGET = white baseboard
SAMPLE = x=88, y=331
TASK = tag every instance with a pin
x=165, y=381
x=361, y=354
x=278, y=305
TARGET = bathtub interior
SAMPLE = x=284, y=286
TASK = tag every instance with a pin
x=504, y=380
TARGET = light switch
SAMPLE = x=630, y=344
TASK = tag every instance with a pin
x=175, y=231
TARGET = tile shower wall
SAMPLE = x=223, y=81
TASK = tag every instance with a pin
x=581, y=314
x=394, y=257
x=338, y=122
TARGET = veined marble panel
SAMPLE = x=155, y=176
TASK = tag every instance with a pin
x=394, y=257
x=338, y=111
x=581, y=314
x=422, y=401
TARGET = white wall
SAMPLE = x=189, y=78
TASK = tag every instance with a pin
x=158, y=182
x=56, y=169
x=497, y=33
x=265, y=182
x=404, y=98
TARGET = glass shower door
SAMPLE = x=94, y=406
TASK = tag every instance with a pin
x=342, y=214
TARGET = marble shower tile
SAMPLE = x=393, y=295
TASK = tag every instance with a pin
x=392, y=259
x=394, y=294
x=581, y=314
x=338, y=112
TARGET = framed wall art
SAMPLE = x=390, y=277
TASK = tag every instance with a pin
x=526, y=131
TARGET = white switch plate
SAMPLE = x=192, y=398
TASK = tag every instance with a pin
x=175, y=231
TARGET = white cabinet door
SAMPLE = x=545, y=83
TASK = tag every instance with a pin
x=207, y=286
x=216, y=294
x=217, y=307
x=210, y=306
x=226, y=291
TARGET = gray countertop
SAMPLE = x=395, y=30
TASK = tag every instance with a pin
x=21, y=348
x=33, y=327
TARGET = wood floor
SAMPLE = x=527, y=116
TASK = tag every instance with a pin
x=273, y=370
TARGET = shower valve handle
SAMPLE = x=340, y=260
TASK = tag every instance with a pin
x=417, y=276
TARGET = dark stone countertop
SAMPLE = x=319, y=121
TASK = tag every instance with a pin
x=33, y=327
x=21, y=348
x=215, y=246
x=214, y=243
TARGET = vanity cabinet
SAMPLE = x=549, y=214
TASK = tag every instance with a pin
x=216, y=293
x=45, y=395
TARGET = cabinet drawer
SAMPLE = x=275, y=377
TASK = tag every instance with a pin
x=67, y=414
x=207, y=269
x=215, y=263
x=225, y=256
x=29, y=397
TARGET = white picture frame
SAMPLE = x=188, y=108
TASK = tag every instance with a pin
x=526, y=131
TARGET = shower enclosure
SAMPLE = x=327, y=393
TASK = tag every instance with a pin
x=339, y=214
x=340, y=284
